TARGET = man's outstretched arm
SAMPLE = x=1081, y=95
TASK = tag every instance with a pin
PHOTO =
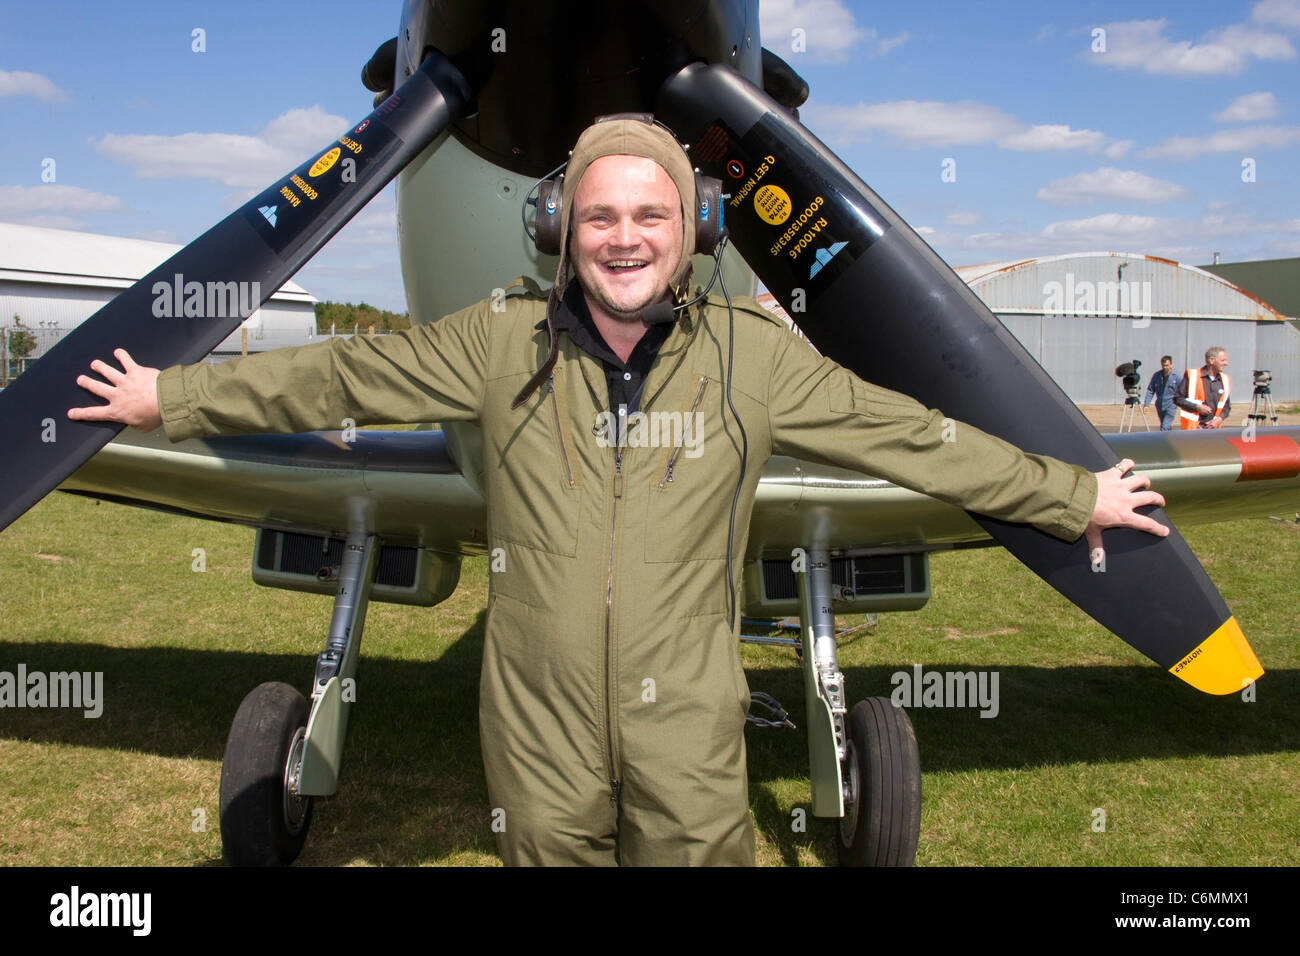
x=430, y=373
x=822, y=412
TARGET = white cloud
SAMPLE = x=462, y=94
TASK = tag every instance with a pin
x=20, y=83
x=918, y=123
x=1110, y=183
x=1249, y=108
x=1240, y=140
x=230, y=159
x=1117, y=149
x=935, y=123
x=1053, y=137
x=962, y=219
x=827, y=31
x=303, y=130
x=1142, y=45
x=1107, y=230
x=54, y=198
x=1285, y=13
x=1250, y=41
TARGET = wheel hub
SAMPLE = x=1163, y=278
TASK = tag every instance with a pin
x=295, y=806
x=852, y=792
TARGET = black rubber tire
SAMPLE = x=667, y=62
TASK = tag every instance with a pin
x=883, y=750
x=261, y=825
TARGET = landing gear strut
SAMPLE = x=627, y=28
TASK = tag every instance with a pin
x=281, y=753
x=867, y=770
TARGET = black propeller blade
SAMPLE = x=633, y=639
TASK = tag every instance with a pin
x=869, y=293
x=178, y=312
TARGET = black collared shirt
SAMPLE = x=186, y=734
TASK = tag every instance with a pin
x=624, y=379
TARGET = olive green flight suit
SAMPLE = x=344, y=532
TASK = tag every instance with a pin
x=610, y=665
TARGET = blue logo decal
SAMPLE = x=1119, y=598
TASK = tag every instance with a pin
x=269, y=213
x=824, y=256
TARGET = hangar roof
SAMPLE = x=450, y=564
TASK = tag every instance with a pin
x=62, y=257
x=1078, y=283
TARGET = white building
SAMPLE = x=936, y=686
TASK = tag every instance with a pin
x=54, y=279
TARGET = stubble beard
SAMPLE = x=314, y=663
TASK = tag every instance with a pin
x=619, y=314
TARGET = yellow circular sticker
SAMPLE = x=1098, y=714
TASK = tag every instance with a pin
x=773, y=204
x=323, y=164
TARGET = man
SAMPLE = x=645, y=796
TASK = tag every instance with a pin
x=1203, y=395
x=1163, y=387
x=612, y=700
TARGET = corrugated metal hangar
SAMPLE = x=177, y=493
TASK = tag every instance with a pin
x=55, y=279
x=1083, y=314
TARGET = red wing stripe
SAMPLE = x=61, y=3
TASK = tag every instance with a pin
x=1268, y=456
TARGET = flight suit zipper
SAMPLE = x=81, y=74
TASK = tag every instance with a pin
x=611, y=750
x=615, y=785
x=690, y=418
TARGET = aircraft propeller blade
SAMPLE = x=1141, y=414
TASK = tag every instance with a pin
x=182, y=309
x=869, y=293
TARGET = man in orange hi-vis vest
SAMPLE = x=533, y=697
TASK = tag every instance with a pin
x=1202, y=398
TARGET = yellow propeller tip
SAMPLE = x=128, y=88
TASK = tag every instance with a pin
x=1223, y=663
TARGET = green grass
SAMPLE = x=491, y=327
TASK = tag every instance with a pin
x=1086, y=723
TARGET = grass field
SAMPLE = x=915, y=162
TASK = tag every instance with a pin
x=1086, y=724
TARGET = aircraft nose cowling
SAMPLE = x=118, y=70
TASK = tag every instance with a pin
x=606, y=57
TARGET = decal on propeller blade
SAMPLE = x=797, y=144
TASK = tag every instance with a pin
x=791, y=207
x=773, y=204
x=280, y=215
x=323, y=164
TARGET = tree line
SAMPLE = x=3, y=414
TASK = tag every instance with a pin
x=345, y=316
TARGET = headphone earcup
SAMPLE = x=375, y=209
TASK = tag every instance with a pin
x=550, y=215
x=708, y=214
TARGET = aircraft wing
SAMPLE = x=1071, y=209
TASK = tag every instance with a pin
x=414, y=493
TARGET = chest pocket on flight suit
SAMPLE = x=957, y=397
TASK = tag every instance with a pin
x=689, y=499
x=532, y=468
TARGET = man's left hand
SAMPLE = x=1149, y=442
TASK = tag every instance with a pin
x=1117, y=497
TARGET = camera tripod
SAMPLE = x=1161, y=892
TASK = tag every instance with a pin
x=1264, y=392
x=1131, y=406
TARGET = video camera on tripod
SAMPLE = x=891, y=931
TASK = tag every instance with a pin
x=1261, y=406
x=1132, y=381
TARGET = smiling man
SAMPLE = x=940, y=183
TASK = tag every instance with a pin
x=627, y=240
x=612, y=701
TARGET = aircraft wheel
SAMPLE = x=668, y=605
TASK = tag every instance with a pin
x=882, y=814
x=263, y=822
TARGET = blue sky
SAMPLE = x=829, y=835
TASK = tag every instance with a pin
x=1174, y=132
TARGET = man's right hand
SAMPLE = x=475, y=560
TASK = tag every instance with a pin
x=132, y=394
